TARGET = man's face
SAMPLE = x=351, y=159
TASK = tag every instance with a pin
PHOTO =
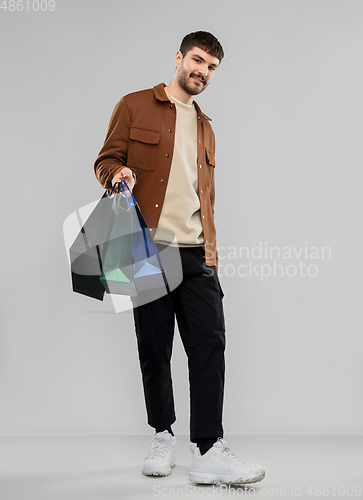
x=195, y=70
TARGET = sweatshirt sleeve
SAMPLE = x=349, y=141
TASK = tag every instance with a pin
x=113, y=155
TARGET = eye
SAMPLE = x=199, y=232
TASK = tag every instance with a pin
x=212, y=68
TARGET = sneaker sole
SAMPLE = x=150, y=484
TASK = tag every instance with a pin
x=205, y=478
x=158, y=473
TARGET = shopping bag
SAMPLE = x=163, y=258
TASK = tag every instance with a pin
x=131, y=263
x=88, y=249
x=148, y=270
x=117, y=262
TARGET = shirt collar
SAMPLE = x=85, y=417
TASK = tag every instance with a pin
x=160, y=95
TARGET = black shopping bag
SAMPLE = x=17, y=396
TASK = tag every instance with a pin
x=88, y=249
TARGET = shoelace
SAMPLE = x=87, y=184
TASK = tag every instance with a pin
x=159, y=448
x=229, y=453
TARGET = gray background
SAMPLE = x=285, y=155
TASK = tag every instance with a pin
x=287, y=110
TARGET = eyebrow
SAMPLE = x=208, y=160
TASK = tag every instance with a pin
x=201, y=58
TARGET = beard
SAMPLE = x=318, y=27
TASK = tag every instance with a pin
x=188, y=84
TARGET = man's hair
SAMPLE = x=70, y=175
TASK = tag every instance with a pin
x=205, y=41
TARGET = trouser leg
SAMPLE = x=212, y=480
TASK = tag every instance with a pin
x=199, y=312
x=197, y=304
x=154, y=326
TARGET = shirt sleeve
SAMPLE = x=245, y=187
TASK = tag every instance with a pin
x=113, y=155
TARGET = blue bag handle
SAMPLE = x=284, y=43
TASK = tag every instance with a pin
x=118, y=186
x=121, y=185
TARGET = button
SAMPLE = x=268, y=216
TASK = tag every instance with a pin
x=170, y=131
x=171, y=106
x=156, y=205
x=206, y=242
x=167, y=155
x=201, y=191
x=162, y=180
x=202, y=215
x=198, y=117
x=200, y=142
x=200, y=166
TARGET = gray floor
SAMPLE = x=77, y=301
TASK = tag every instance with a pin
x=109, y=467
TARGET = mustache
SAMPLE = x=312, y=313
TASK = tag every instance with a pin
x=200, y=77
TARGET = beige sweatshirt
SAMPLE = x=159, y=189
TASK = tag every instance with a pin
x=181, y=208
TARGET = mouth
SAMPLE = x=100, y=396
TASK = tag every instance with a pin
x=198, y=80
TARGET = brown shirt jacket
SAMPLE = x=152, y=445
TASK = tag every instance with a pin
x=141, y=136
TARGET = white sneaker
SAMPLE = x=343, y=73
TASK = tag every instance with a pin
x=219, y=465
x=162, y=455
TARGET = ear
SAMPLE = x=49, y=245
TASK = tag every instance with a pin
x=178, y=57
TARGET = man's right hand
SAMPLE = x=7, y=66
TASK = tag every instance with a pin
x=124, y=175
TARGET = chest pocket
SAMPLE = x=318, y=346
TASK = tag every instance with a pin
x=210, y=158
x=143, y=148
x=145, y=136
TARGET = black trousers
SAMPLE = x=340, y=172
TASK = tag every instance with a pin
x=197, y=306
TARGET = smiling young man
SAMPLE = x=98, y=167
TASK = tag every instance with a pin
x=163, y=145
